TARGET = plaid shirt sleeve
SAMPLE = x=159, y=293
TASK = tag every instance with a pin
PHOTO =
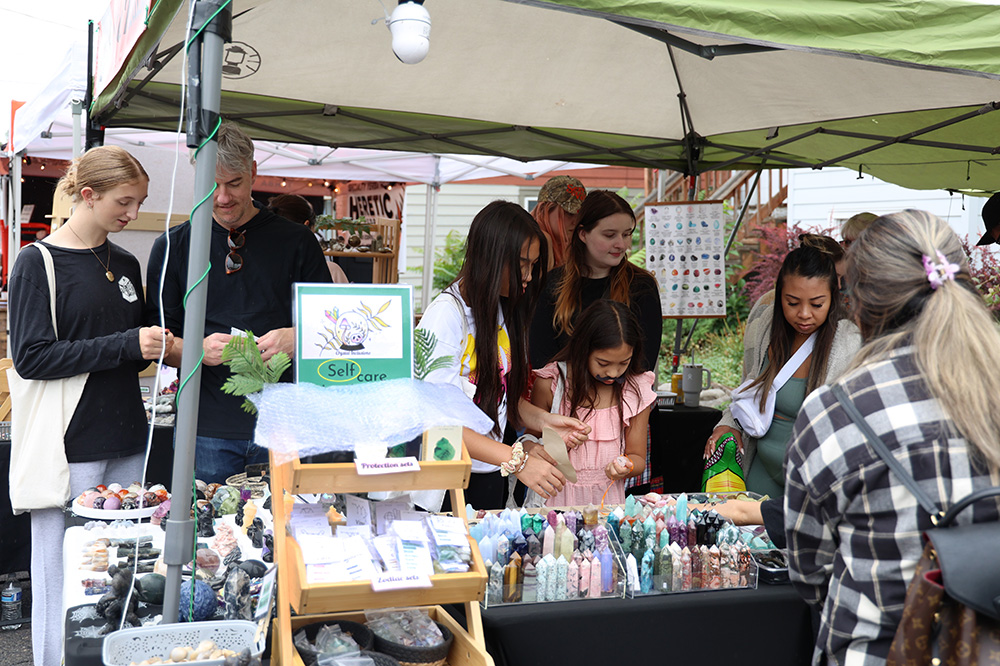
x=853, y=529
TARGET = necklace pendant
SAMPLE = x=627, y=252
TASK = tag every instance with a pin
x=110, y=276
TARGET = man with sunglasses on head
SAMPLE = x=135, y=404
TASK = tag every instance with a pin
x=255, y=258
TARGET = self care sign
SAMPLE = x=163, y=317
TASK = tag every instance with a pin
x=353, y=333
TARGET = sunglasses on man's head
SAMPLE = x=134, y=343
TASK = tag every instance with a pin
x=234, y=262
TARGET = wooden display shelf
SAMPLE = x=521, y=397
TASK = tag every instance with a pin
x=299, y=477
x=465, y=651
x=294, y=477
x=385, y=265
x=450, y=588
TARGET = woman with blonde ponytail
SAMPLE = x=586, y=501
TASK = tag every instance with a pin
x=99, y=331
x=925, y=381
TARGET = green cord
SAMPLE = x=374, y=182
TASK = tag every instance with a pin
x=187, y=47
x=204, y=275
x=215, y=130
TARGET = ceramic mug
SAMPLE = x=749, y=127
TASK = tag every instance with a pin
x=692, y=384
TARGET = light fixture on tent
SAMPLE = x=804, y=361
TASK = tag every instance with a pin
x=283, y=183
x=410, y=25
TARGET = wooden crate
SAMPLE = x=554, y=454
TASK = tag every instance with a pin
x=465, y=651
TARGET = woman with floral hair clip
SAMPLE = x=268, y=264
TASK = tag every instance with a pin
x=924, y=383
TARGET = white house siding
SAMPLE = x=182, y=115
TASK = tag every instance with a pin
x=826, y=198
x=457, y=204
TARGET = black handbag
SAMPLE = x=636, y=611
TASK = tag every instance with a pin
x=952, y=609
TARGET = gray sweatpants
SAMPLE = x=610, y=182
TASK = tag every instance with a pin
x=47, y=528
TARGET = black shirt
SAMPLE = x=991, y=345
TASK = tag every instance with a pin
x=645, y=304
x=276, y=254
x=98, y=324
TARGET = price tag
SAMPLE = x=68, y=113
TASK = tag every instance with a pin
x=387, y=466
x=399, y=581
x=266, y=595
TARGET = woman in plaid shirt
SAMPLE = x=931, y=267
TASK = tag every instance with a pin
x=926, y=382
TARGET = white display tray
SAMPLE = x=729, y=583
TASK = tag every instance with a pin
x=117, y=514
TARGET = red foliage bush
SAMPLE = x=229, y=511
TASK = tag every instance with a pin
x=775, y=243
x=984, y=267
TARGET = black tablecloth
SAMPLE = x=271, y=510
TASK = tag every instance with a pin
x=769, y=626
x=678, y=437
x=15, y=531
x=83, y=644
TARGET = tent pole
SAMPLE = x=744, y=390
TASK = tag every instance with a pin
x=15, y=208
x=77, y=127
x=204, y=102
x=743, y=211
x=430, y=221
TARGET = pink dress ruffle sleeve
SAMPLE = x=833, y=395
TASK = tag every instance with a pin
x=605, y=444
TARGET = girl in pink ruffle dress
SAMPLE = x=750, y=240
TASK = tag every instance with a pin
x=597, y=379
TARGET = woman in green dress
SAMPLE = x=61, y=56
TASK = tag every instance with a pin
x=806, y=301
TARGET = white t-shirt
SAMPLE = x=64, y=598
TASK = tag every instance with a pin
x=450, y=319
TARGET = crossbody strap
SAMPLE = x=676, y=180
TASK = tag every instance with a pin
x=50, y=274
x=797, y=359
x=932, y=509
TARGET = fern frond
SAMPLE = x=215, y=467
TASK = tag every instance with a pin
x=242, y=385
x=242, y=356
x=275, y=367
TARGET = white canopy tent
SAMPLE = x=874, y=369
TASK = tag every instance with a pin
x=50, y=126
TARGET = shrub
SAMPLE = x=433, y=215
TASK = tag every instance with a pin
x=984, y=267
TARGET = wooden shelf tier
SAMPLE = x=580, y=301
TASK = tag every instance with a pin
x=299, y=477
x=450, y=588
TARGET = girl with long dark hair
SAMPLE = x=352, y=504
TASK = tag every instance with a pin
x=479, y=324
x=600, y=379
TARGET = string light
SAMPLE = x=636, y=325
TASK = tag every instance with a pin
x=326, y=183
x=337, y=190
x=283, y=183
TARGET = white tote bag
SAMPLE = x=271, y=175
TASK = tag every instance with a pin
x=745, y=407
x=40, y=413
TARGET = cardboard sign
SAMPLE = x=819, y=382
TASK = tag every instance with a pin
x=387, y=466
x=399, y=581
x=556, y=447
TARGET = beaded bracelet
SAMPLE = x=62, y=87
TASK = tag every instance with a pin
x=516, y=462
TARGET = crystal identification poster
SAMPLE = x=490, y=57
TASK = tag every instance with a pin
x=684, y=250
